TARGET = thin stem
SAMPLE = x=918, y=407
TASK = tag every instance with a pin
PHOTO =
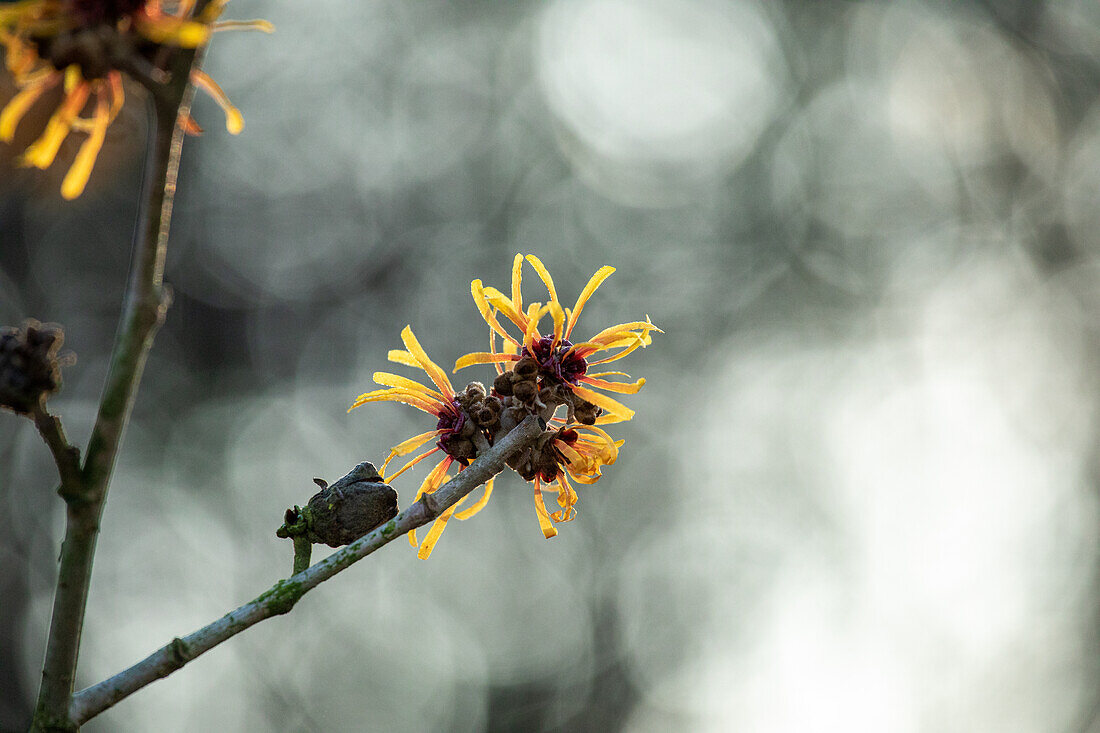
x=144, y=307
x=303, y=551
x=282, y=596
x=65, y=455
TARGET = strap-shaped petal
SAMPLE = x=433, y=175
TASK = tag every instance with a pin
x=636, y=344
x=593, y=282
x=396, y=380
x=545, y=524
x=81, y=169
x=437, y=375
x=481, y=503
x=42, y=151
x=620, y=387
x=408, y=465
x=482, y=303
x=172, y=31
x=544, y=275
x=400, y=356
x=559, y=320
x=234, y=120
x=431, y=482
x=534, y=315
x=397, y=395
x=612, y=406
x=436, y=531
x=503, y=303
x=407, y=446
x=483, y=357
x=517, y=281
x=21, y=102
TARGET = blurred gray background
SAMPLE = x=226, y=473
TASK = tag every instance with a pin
x=861, y=490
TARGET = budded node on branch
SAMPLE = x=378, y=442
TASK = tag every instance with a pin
x=345, y=511
x=29, y=364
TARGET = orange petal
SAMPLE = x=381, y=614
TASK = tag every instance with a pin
x=234, y=120
x=408, y=465
x=545, y=524
x=436, y=531
x=481, y=503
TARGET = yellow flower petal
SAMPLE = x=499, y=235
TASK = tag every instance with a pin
x=517, y=280
x=42, y=151
x=400, y=356
x=171, y=31
x=77, y=177
x=545, y=524
x=594, y=282
x=481, y=503
x=437, y=375
x=234, y=120
x=397, y=395
x=408, y=465
x=620, y=387
x=482, y=357
x=432, y=481
x=559, y=320
x=436, y=531
x=608, y=404
x=396, y=380
x=482, y=303
x=544, y=275
x=20, y=103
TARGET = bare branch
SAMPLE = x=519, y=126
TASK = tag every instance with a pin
x=65, y=455
x=282, y=596
x=143, y=311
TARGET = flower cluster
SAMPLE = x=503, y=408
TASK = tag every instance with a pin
x=537, y=373
x=85, y=46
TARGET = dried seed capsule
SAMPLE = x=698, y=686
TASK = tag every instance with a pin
x=525, y=391
x=502, y=385
x=29, y=365
x=494, y=404
x=485, y=417
x=526, y=368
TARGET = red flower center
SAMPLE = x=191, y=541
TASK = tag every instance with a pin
x=553, y=362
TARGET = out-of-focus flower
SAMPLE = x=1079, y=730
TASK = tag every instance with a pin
x=456, y=431
x=86, y=46
x=30, y=368
x=556, y=362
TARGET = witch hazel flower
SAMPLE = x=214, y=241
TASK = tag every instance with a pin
x=541, y=373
